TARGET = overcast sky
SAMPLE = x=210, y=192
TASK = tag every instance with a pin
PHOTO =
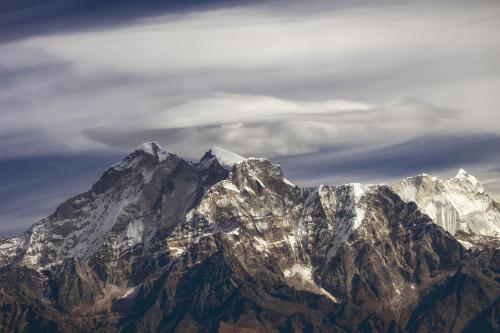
x=334, y=91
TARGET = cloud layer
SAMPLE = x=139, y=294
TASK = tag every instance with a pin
x=229, y=76
x=267, y=126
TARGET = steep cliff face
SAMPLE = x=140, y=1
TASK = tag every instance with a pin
x=228, y=244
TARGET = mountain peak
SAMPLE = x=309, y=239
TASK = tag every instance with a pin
x=225, y=157
x=463, y=175
x=153, y=148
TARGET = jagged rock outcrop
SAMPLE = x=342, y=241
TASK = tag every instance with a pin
x=228, y=244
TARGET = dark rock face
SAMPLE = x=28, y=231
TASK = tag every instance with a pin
x=160, y=244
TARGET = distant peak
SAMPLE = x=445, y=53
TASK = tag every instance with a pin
x=225, y=157
x=463, y=175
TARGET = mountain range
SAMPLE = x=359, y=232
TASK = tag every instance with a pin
x=228, y=244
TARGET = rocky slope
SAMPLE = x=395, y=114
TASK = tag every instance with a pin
x=227, y=244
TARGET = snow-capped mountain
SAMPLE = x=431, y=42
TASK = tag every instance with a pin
x=228, y=244
x=460, y=205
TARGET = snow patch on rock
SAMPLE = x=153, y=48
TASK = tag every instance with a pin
x=301, y=277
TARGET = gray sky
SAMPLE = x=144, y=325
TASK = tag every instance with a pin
x=334, y=91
